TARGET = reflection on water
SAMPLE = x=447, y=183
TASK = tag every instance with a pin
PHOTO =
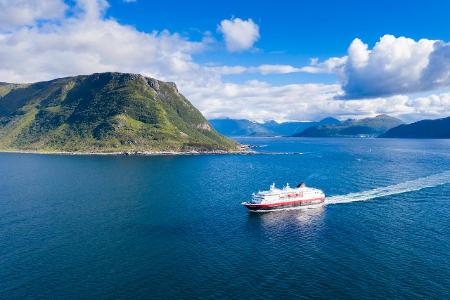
x=301, y=217
x=311, y=215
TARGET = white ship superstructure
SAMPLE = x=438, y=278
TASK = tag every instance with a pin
x=285, y=197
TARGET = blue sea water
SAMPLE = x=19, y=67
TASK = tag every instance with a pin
x=172, y=227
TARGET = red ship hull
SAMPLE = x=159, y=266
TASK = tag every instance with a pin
x=282, y=205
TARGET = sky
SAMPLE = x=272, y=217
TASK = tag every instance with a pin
x=259, y=60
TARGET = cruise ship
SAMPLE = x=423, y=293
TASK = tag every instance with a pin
x=285, y=197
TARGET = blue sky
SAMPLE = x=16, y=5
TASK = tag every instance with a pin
x=305, y=28
x=282, y=60
x=292, y=31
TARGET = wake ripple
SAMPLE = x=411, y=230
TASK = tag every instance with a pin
x=404, y=187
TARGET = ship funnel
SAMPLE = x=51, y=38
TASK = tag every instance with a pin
x=301, y=185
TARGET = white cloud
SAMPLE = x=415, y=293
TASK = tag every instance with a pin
x=395, y=66
x=437, y=73
x=262, y=69
x=87, y=43
x=277, y=69
x=262, y=101
x=331, y=65
x=239, y=34
x=17, y=13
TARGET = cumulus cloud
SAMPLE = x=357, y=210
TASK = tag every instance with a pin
x=395, y=66
x=239, y=34
x=88, y=42
x=17, y=13
x=437, y=73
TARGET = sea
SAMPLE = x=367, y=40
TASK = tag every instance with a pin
x=173, y=227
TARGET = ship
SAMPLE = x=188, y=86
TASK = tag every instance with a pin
x=286, y=197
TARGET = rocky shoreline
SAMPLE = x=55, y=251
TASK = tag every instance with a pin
x=133, y=153
x=151, y=153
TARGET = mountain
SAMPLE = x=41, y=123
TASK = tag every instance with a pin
x=243, y=127
x=103, y=112
x=425, y=129
x=287, y=128
x=353, y=127
x=329, y=121
x=239, y=127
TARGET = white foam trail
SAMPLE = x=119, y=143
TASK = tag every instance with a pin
x=404, y=187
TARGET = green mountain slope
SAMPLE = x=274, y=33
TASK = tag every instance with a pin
x=105, y=112
x=353, y=128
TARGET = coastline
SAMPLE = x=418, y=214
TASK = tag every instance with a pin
x=150, y=153
x=134, y=153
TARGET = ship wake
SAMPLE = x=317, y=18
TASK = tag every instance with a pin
x=404, y=187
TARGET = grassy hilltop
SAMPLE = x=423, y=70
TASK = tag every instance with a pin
x=104, y=112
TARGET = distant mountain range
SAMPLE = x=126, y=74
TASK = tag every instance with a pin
x=425, y=129
x=367, y=127
x=328, y=127
x=103, y=112
x=243, y=127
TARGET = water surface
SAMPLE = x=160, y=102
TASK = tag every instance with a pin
x=172, y=227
